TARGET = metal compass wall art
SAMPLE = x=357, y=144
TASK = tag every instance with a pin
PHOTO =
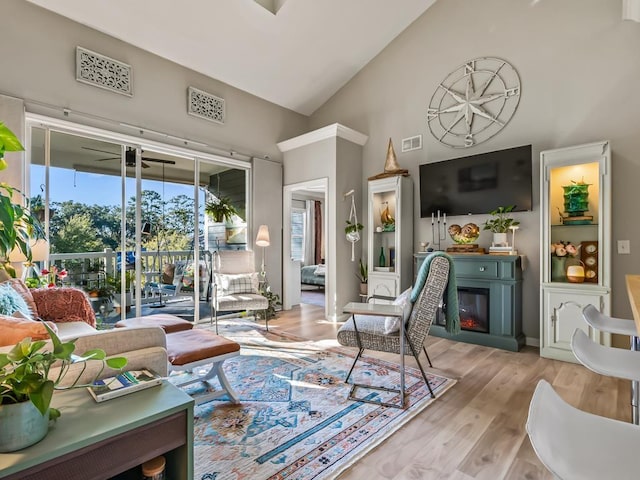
x=474, y=102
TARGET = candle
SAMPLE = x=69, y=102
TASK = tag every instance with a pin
x=438, y=216
x=445, y=218
x=432, y=218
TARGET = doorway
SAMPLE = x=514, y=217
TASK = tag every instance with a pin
x=306, y=268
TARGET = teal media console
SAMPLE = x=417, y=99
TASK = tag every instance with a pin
x=490, y=300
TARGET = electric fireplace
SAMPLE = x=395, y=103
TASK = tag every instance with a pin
x=473, y=304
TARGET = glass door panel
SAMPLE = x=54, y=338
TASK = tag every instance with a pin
x=80, y=195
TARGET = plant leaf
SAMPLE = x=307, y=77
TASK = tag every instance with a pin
x=42, y=398
x=116, y=363
x=8, y=140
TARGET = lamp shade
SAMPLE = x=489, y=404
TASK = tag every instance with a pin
x=262, y=240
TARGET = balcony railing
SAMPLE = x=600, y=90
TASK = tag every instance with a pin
x=90, y=270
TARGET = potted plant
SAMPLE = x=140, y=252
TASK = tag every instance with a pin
x=500, y=224
x=115, y=282
x=363, y=276
x=352, y=230
x=274, y=301
x=220, y=209
x=27, y=383
x=19, y=226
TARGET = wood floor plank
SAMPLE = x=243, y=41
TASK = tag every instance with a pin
x=476, y=430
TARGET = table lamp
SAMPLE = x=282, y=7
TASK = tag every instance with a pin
x=262, y=240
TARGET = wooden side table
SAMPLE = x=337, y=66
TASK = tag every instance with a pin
x=92, y=441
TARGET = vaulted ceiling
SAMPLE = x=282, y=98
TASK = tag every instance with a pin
x=294, y=53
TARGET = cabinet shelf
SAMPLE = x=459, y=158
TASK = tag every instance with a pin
x=390, y=198
x=586, y=225
x=562, y=301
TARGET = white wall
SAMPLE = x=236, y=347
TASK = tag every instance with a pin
x=38, y=58
x=579, y=67
x=340, y=162
x=38, y=52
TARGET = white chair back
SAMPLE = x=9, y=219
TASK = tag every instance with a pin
x=605, y=323
x=613, y=362
x=233, y=261
x=574, y=444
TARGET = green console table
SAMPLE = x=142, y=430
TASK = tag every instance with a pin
x=110, y=440
x=499, y=279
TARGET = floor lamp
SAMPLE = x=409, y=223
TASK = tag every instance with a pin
x=262, y=240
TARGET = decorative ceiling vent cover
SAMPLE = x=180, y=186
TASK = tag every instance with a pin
x=204, y=105
x=103, y=72
x=412, y=143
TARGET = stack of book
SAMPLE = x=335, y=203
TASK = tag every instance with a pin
x=508, y=250
x=123, y=384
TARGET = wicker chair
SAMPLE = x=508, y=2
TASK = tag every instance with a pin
x=370, y=329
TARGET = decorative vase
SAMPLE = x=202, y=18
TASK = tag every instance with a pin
x=363, y=288
x=558, y=269
x=576, y=199
x=21, y=425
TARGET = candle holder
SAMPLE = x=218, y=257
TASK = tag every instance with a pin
x=438, y=230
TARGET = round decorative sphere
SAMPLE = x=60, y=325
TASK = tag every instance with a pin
x=464, y=235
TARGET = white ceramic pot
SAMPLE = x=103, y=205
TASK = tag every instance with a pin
x=500, y=240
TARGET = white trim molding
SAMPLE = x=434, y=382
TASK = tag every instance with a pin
x=631, y=10
x=324, y=133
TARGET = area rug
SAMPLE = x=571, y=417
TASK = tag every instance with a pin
x=294, y=420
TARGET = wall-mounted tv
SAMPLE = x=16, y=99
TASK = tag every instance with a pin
x=478, y=183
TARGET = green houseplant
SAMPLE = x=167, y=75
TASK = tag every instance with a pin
x=502, y=220
x=500, y=224
x=363, y=276
x=220, y=209
x=18, y=226
x=27, y=383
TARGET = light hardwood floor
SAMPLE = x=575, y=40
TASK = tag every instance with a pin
x=476, y=429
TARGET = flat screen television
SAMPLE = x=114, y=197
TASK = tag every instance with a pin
x=478, y=183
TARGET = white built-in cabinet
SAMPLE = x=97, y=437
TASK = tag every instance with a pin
x=569, y=215
x=390, y=198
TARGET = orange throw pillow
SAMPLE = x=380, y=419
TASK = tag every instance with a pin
x=13, y=329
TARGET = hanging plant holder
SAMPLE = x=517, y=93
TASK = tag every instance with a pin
x=352, y=230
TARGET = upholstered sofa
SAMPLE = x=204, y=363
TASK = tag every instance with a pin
x=69, y=311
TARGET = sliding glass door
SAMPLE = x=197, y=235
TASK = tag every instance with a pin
x=131, y=224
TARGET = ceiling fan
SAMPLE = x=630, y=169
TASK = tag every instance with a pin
x=130, y=158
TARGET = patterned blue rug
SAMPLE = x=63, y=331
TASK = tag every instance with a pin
x=294, y=420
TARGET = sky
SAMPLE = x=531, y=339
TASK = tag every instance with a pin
x=95, y=189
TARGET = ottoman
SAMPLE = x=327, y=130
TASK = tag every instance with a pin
x=169, y=323
x=188, y=349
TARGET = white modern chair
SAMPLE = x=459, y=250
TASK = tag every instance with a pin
x=236, y=284
x=613, y=362
x=605, y=323
x=573, y=444
x=618, y=326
